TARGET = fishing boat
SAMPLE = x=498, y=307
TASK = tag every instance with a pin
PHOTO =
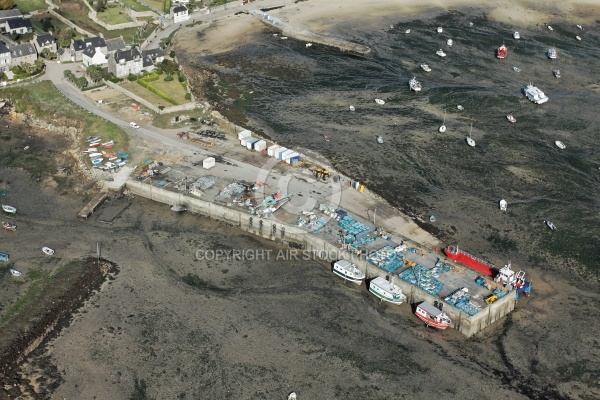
x=407, y=31
x=503, y=205
x=516, y=35
x=556, y=73
x=439, y=29
x=178, y=208
x=95, y=155
x=501, y=52
x=560, y=145
x=308, y=44
x=379, y=140
x=348, y=271
x=511, y=118
x=4, y=257
x=470, y=141
x=94, y=144
x=449, y=42
x=380, y=102
x=283, y=37
x=550, y=225
x=92, y=138
x=352, y=108
x=414, y=84
x=516, y=69
x=440, y=53
x=292, y=396
x=386, y=291
x=47, y=250
x=550, y=28
x=14, y=272
x=578, y=37
x=9, y=227
x=579, y=26
x=425, y=68
x=535, y=95
x=460, y=108
x=326, y=138
x=551, y=53
x=442, y=128
x=432, y=316
x=108, y=145
x=9, y=209
x=468, y=260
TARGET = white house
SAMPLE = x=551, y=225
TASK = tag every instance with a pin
x=180, y=14
x=18, y=25
x=93, y=56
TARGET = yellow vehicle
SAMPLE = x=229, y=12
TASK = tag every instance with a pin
x=409, y=263
x=321, y=173
x=491, y=298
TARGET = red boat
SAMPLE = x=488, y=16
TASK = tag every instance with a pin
x=468, y=260
x=9, y=227
x=501, y=52
x=432, y=316
x=326, y=138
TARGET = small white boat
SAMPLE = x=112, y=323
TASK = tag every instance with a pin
x=449, y=42
x=414, y=84
x=348, y=271
x=391, y=26
x=95, y=155
x=9, y=209
x=380, y=102
x=47, y=250
x=460, y=108
x=386, y=291
x=550, y=225
x=551, y=53
x=503, y=205
x=550, y=28
x=352, y=108
x=442, y=128
x=440, y=53
x=516, y=35
x=578, y=37
x=432, y=316
x=579, y=26
x=379, y=140
x=14, y=272
x=407, y=31
x=439, y=29
x=425, y=68
x=308, y=44
x=511, y=118
x=516, y=69
x=470, y=24
x=292, y=396
x=556, y=73
x=470, y=141
x=560, y=145
x=283, y=37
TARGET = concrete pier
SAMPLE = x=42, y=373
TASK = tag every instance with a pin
x=310, y=37
x=92, y=205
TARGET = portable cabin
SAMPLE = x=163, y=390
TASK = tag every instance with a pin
x=279, y=152
x=250, y=143
x=208, y=163
x=244, y=134
x=271, y=150
x=285, y=154
x=260, y=145
x=244, y=140
x=294, y=159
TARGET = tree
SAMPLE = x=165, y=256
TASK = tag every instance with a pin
x=7, y=4
x=96, y=73
x=48, y=55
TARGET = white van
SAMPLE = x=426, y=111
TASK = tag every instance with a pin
x=134, y=125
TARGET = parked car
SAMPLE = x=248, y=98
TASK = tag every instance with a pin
x=134, y=125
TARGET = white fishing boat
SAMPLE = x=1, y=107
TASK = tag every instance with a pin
x=432, y=316
x=516, y=69
x=47, y=250
x=380, y=102
x=9, y=209
x=425, y=68
x=407, y=31
x=550, y=225
x=439, y=29
x=550, y=28
x=578, y=37
x=95, y=155
x=552, y=53
x=414, y=84
x=391, y=26
x=386, y=290
x=516, y=35
x=556, y=73
x=292, y=396
x=560, y=145
x=449, y=42
x=379, y=140
x=503, y=205
x=535, y=95
x=14, y=272
x=440, y=53
x=308, y=44
x=348, y=271
x=511, y=118
x=352, y=108
x=579, y=26
x=442, y=128
x=460, y=108
x=283, y=37
x=470, y=140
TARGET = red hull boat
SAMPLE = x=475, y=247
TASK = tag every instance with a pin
x=501, y=52
x=432, y=316
x=9, y=227
x=466, y=259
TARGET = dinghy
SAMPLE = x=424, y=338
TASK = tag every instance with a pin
x=47, y=250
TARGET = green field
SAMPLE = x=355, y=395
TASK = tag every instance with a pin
x=26, y=6
x=114, y=15
x=172, y=89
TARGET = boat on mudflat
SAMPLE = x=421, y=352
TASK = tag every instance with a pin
x=379, y=140
x=14, y=272
x=503, y=205
x=9, y=227
x=501, y=52
x=386, y=290
x=511, y=118
x=425, y=67
x=348, y=271
x=4, y=256
x=556, y=73
x=535, y=95
x=516, y=35
x=47, y=250
x=414, y=84
x=9, y=209
x=552, y=54
x=440, y=53
x=380, y=102
x=432, y=316
x=550, y=225
x=560, y=145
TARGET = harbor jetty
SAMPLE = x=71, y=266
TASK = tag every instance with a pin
x=310, y=37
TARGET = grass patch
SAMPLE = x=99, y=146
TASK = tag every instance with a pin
x=114, y=15
x=42, y=99
x=134, y=5
x=26, y=6
x=159, y=5
x=40, y=280
x=174, y=89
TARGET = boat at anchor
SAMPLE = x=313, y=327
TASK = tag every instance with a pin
x=348, y=271
x=501, y=52
x=535, y=95
x=9, y=209
x=414, y=84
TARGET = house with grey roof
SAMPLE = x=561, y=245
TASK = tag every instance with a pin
x=179, y=14
x=124, y=62
x=151, y=58
x=4, y=58
x=93, y=56
x=115, y=44
x=79, y=45
x=22, y=53
x=42, y=42
x=18, y=26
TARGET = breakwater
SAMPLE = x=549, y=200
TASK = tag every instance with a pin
x=298, y=238
x=310, y=37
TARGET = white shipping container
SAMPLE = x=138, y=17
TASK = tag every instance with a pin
x=290, y=156
x=279, y=152
x=271, y=150
x=286, y=154
x=244, y=141
x=260, y=145
x=244, y=134
x=250, y=143
x=208, y=163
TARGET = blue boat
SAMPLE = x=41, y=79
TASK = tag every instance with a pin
x=4, y=257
